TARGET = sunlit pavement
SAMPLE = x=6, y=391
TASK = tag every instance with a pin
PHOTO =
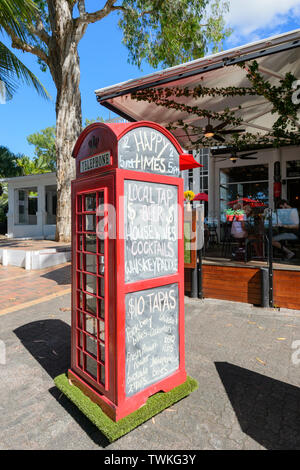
x=248, y=396
x=20, y=288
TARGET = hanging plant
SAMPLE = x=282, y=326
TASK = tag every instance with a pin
x=285, y=130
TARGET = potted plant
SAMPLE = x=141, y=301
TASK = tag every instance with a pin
x=230, y=214
x=239, y=214
x=189, y=196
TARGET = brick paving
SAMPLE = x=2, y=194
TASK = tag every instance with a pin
x=18, y=286
x=248, y=396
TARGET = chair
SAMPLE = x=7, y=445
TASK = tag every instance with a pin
x=213, y=235
x=228, y=240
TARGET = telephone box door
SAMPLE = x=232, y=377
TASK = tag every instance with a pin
x=92, y=302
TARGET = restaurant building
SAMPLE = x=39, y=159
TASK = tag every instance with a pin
x=253, y=180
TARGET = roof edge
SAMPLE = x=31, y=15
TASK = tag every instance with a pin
x=229, y=57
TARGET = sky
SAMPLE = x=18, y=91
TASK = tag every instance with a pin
x=104, y=62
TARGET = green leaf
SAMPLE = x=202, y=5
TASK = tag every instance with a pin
x=170, y=32
x=44, y=147
x=13, y=70
x=14, y=15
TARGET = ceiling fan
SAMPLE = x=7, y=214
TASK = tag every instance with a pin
x=245, y=156
x=218, y=131
x=234, y=156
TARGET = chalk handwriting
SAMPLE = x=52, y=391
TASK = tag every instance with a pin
x=146, y=149
x=151, y=230
x=151, y=336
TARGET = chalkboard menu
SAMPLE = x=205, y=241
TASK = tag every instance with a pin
x=146, y=149
x=151, y=230
x=151, y=336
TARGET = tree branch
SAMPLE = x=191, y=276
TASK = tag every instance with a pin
x=17, y=43
x=39, y=31
x=88, y=18
x=81, y=7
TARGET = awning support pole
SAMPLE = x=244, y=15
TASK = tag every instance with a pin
x=199, y=271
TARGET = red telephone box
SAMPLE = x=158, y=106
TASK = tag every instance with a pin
x=127, y=265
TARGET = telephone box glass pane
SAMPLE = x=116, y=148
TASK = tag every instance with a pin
x=79, y=204
x=91, y=264
x=91, y=304
x=80, y=242
x=91, y=284
x=101, y=308
x=101, y=246
x=79, y=280
x=91, y=346
x=80, y=359
x=102, y=330
x=91, y=325
x=91, y=243
x=79, y=261
x=80, y=339
x=101, y=265
x=79, y=320
x=90, y=202
x=79, y=223
x=80, y=300
x=100, y=202
x=91, y=367
x=102, y=352
x=90, y=223
x=101, y=287
x=102, y=375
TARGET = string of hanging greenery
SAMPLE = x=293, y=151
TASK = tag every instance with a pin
x=285, y=130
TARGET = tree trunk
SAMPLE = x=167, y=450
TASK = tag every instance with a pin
x=65, y=70
x=68, y=127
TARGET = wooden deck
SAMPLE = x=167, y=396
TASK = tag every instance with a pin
x=241, y=282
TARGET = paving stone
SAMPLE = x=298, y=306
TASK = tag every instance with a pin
x=240, y=404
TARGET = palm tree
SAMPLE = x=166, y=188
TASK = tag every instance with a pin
x=14, y=15
x=34, y=166
x=9, y=166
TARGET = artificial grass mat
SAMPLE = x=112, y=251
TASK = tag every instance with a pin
x=112, y=430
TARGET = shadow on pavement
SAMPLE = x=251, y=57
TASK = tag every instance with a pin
x=268, y=410
x=87, y=426
x=62, y=276
x=48, y=341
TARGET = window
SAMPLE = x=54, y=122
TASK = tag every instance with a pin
x=203, y=160
x=201, y=156
x=27, y=202
x=293, y=183
x=243, y=182
x=50, y=204
x=293, y=168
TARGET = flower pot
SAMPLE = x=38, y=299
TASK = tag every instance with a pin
x=188, y=206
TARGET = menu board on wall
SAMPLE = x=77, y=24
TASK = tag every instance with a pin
x=146, y=149
x=151, y=230
x=151, y=336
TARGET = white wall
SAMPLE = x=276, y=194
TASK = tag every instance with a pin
x=40, y=230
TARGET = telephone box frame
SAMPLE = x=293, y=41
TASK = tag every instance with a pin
x=112, y=397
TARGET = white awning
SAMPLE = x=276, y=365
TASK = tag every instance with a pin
x=276, y=56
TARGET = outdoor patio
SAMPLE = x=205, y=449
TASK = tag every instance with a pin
x=33, y=254
x=248, y=396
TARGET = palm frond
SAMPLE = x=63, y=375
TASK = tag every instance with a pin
x=14, y=14
x=12, y=69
